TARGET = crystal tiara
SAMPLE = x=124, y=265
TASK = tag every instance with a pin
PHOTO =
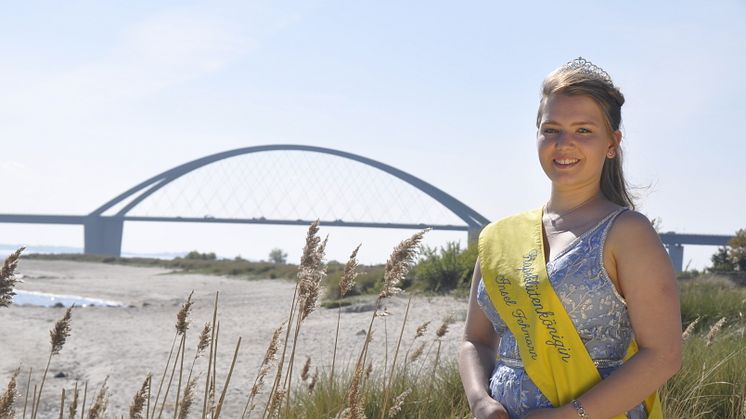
x=586, y=67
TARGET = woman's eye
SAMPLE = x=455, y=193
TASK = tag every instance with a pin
x=584, y=130
x=549, y=131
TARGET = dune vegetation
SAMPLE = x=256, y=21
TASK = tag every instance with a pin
x=414, y=381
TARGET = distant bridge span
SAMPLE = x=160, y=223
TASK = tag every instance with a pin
x=103, y=233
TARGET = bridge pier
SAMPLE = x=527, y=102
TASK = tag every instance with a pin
x=472, y=236
x=103, y=235
x=676, y=253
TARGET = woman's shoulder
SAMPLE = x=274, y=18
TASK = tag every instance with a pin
x=634, y=220
x=634, y=256
x=631, y=232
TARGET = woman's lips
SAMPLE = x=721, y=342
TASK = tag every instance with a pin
x=565, y=163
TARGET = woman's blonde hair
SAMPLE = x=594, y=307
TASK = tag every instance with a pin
x=582, y=78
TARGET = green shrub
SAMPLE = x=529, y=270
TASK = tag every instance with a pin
x=278, y=257
x=732, y=256
x=688, y=274
x=195, y=255
x=368, y=280
x=446, y=269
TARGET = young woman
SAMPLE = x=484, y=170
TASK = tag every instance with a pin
x=574, y=309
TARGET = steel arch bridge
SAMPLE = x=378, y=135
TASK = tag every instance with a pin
x=103, y=229
x=103, y=232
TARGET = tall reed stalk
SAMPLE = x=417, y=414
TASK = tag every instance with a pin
x=139, y=401
x=213, y=350
x=345, y=285
x=28, y=387
x=85, y=395
x=182, y=325
x=101, y=404
x=269, y=357
x=8, y=278
x=8, y=399
x=387, y=384
x=219, y=406
x=311, y=271
x=397, y=266
x=62, y=404
x=73, y=408
x=310, y=278
x=57, y=336
x=181, y=376
x=186, y=403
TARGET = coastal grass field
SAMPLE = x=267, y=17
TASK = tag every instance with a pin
x=397, y=366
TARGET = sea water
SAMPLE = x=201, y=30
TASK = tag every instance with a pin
x=44, y=299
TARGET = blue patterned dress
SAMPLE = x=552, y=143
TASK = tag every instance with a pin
x=599, y=313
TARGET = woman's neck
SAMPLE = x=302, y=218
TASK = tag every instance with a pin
x=574, y=211
x=561, y=202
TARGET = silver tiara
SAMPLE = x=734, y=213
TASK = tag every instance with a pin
x=586, y=67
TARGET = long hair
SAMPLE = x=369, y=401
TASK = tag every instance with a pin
x=581, y=78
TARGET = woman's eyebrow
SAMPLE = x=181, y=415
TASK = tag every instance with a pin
x=551, y=121
x=584, y=123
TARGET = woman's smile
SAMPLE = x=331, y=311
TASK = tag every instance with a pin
x=565, y=163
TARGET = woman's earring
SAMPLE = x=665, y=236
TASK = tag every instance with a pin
x=611, y=154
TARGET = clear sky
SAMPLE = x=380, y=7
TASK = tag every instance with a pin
x=98, y=96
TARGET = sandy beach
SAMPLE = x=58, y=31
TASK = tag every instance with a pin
x=125, y=343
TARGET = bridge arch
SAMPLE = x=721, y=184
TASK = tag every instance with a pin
x=103, y=233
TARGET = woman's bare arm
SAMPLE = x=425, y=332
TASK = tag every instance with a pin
x=476, y=357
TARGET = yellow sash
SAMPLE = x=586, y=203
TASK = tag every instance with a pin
x=511, y=253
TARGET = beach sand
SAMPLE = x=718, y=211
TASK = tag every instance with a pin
x=126, y=343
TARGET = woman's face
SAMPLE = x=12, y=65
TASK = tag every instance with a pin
x=574, y=142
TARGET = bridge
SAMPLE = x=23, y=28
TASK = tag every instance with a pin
x=104, y=226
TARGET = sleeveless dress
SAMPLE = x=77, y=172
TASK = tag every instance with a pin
x=598, y=312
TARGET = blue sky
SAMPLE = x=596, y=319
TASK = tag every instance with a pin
x=100, y=96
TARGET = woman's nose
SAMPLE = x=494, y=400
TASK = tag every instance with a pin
x=563, y=138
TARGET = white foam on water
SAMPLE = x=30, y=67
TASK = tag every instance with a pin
x=44, y=299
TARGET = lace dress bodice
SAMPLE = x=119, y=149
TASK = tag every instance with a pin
x=598, y=312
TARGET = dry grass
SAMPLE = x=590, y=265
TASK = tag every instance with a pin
x=186, y=402
x=8, y=399
x=712, y=381
x=182, y=317
x=101, y=404
x=355, y=400
x=138, y=402
x=345, y=285
x=711, y=384
x=7, y=277
x=398, y=403
x=399, y=263
x=690, y=329
x=72, y=409
x=349, y=274
x=714, y=330
x=57, y=336
x=264, y=369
